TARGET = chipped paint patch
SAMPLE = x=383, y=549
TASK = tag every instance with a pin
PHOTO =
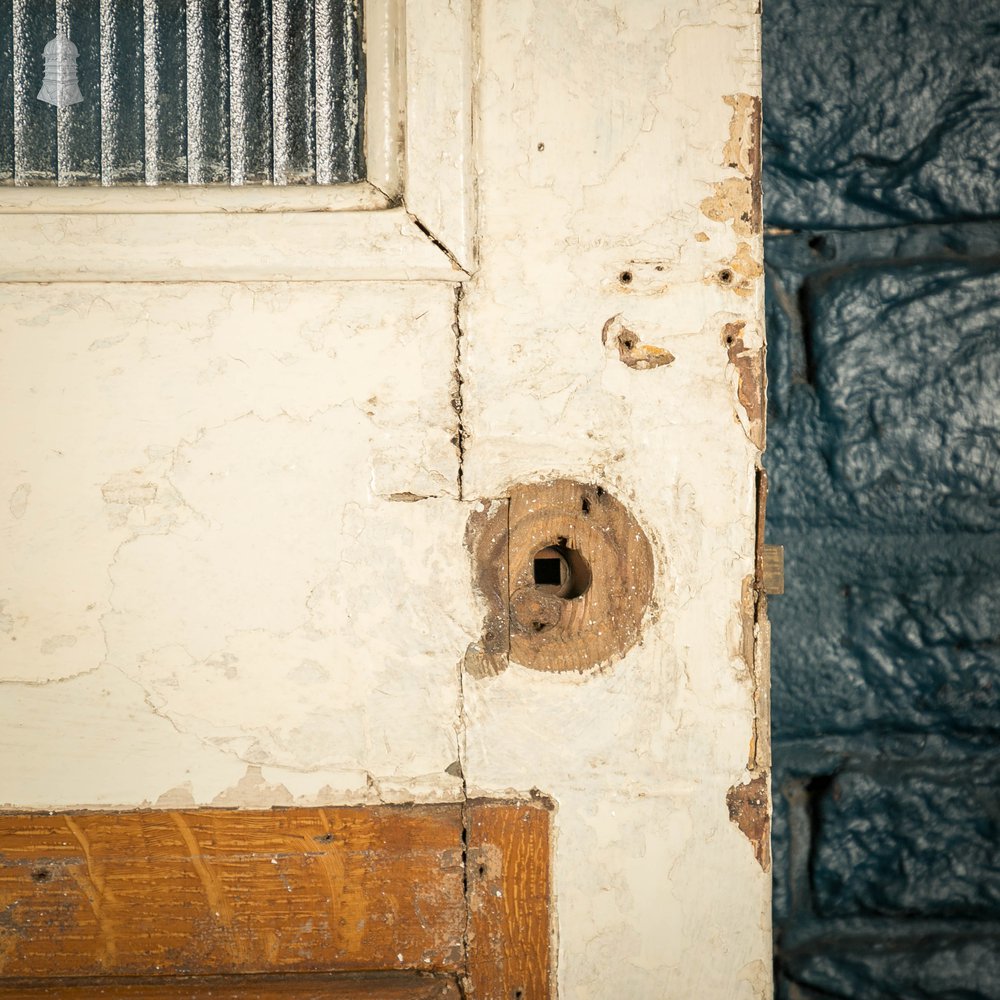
x=736, y=200
x=732, y=201
x=253, y=791
x=751, y=384
x=749, y=809
x=741, y=149
x=633, y=353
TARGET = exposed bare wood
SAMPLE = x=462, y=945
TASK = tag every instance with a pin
x=596, y=612
x=214, y=892
x=509, y=892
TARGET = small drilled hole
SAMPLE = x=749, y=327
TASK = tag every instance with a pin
x=726, y=276
x=541, y=147
x=625, y=277
x=41, y=875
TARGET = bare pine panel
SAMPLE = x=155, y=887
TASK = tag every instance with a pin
x=217, y=892
x=509, y=895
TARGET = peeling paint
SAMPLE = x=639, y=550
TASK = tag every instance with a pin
x=750, y=375
x=737, y=200
x=633, y=354
x=732, y=201
x=750, y=809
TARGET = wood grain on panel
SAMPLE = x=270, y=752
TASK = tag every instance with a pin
x=217, y=892
x=406, y=986
x=509, y=886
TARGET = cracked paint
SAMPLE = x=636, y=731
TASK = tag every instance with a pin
x=210, y=510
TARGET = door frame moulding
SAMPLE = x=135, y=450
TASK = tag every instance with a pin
x=418, y=144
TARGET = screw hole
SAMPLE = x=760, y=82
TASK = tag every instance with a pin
x=625, y=277
x=541, y=147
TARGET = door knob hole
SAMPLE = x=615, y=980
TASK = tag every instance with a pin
x=561, y=571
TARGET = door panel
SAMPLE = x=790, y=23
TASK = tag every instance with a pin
x=450, y=890
x=236, y=499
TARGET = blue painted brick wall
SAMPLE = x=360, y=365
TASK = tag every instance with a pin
x=882, y=198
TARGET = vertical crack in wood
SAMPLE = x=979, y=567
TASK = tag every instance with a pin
x=457, y=383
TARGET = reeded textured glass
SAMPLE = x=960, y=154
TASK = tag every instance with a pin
x=185, y=92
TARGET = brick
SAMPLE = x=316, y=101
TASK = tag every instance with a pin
x=886, y=633
x=885, y=388
x=909, y=844
x=880, y=113
x=938, y=968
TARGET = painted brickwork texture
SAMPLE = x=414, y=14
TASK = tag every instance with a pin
x=882, y=195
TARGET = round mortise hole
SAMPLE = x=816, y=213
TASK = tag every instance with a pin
x=726, y=276
x=625, y=277
x=41, y=875
x=562, y=571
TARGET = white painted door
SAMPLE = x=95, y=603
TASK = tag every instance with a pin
x=265, y=460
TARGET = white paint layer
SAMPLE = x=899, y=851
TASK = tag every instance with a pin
x=205, y=539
